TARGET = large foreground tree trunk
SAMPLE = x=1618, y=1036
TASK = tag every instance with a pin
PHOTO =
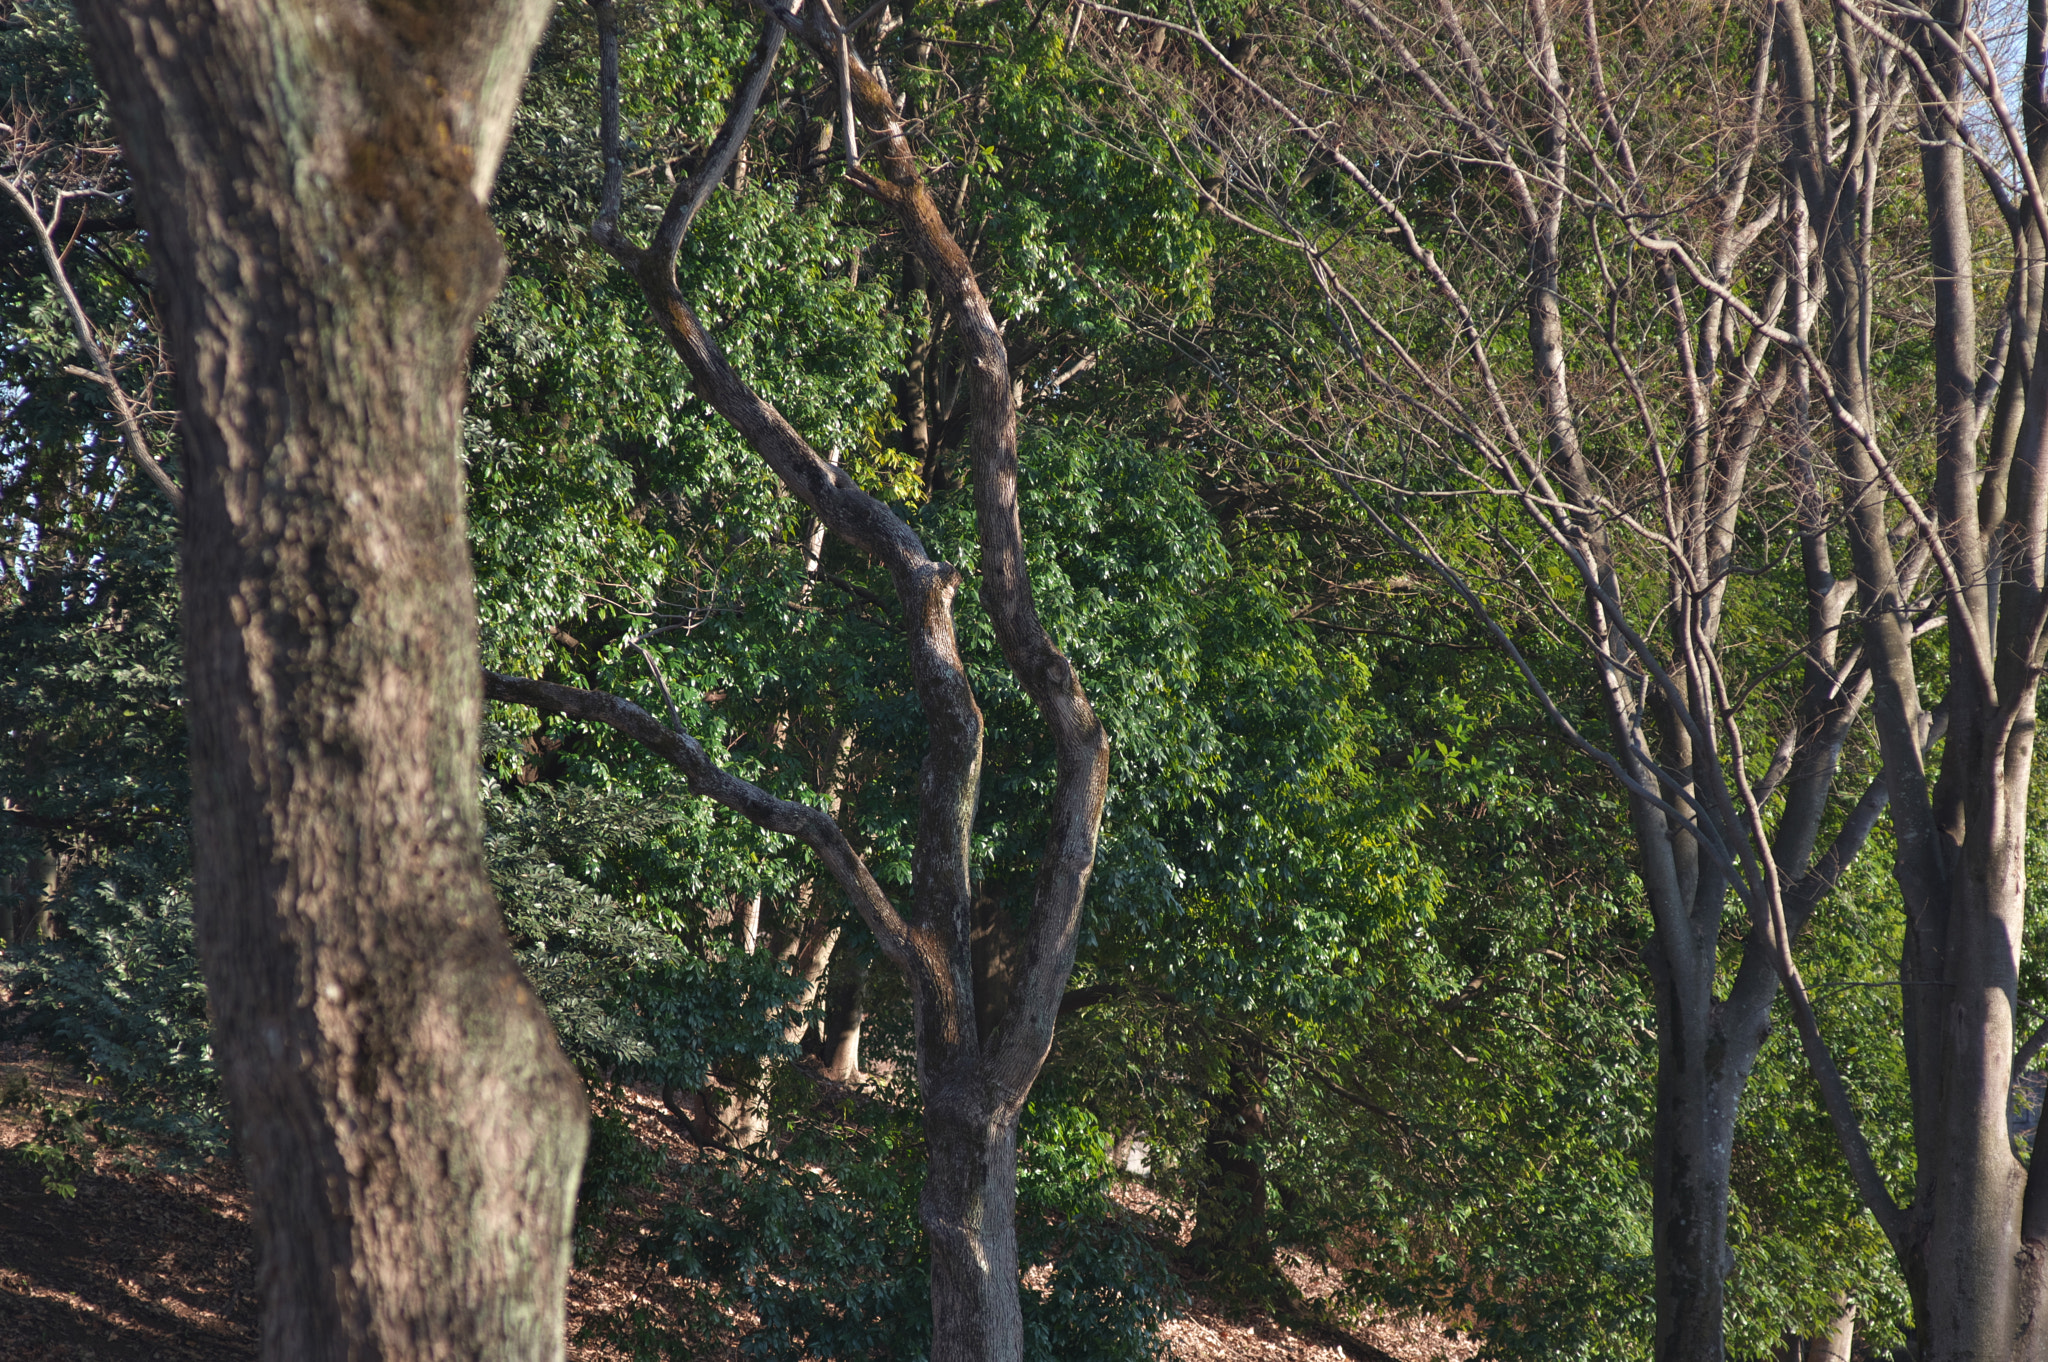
x=313, y=177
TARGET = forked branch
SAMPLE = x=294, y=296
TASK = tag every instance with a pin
x=102, y=372
x=813, y=827
x=941, y=966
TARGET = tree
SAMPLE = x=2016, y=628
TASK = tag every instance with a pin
x=1628, y=450
x=314, y=185
x=1968, y=491
x=984, y=1020
x=72, y=436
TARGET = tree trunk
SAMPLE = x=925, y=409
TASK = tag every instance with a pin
x=1959, y=857
x=313, y=181
x=809, y=956
x=737, y=1112
x=969, y=1212
x=978, y=1054
x=29, y=894
x=1231, y=1242
x=1689, y=1177
x=845, y=1010
x=1834, y=1344
x=1962, y=947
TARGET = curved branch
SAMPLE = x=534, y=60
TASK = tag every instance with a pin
x=690, y=195
x=952, y=768
x=102, y=372
x=813, y=827
x=951, y=774
x=1044, y=672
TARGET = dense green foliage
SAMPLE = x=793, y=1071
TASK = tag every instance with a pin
x=1362, y=966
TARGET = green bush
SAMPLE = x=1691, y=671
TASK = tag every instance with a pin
x=821, y=1239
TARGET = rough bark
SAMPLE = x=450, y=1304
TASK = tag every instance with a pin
x=969, y=1210
x=313, y=179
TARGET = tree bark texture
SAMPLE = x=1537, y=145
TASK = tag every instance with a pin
x=313, y=179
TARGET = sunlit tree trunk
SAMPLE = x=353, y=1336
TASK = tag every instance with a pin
x=977, y=1055
x=1970, y=1252
x=313, y=179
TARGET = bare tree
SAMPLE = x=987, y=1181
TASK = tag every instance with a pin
x=27, y=183
x=1575, y=385
x=979, y=1049
x=313, y=178
x=1973, y=1238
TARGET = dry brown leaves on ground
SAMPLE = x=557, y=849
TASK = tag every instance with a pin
x=144, y=1266
x=1206, y=1332
x=138, y=1265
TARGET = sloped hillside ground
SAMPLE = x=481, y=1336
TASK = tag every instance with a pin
x=147, y=1265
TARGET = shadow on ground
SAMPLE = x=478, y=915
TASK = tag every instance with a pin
x=135, y=1268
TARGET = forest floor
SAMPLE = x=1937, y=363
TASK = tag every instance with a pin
x=147, y=1265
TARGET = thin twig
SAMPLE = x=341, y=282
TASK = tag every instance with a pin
x=103, y=372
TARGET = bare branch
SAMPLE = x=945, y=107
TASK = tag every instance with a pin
x=102, y=371
x=813, y=827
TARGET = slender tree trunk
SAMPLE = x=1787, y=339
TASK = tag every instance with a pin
x=29, y=893
x=1231, y=1241
x=1835, y=1342
x=809, y=956
x=913, y=386
x=742, y=1113
x=1705, y=829
x=1959, y=857
x=845, y=1011
x=976, y=1063
x=1689, y=1173
x=1966, y=940
x=738, y=1111
x=313, y=180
